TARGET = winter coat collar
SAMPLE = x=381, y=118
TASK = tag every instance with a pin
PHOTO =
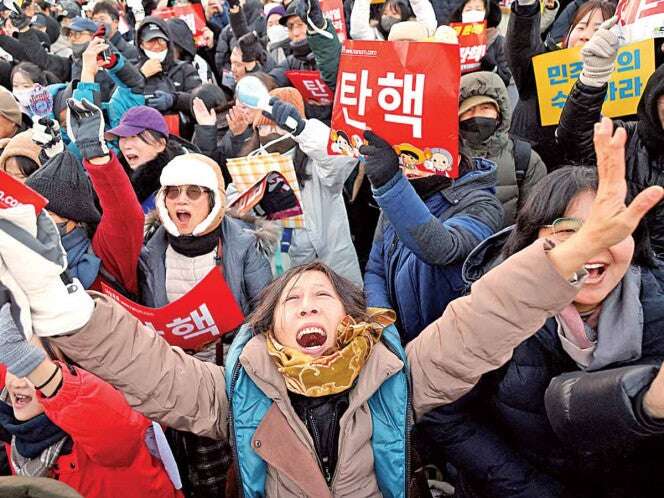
x=380, y=366
x=486, y=255
x=81, y=260
x=482, y=177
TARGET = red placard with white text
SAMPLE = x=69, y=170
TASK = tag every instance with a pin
x=192, y=14
x=640, y=19
x=406, y=92
x=311, y=86
x=14, y=193
x=200, y=317
x=334, y=11
x=472, y=44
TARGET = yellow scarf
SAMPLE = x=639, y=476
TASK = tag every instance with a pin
x=335, y=371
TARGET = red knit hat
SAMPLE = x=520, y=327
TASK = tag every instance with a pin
x=286, y=94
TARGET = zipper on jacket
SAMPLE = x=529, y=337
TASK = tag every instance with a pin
x=409, y=422
x=318, y=445
x=236, y=462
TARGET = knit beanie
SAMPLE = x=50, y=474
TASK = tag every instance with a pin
x=20, y=145
x=286, y=94
x=65, y=184
x=9, y=108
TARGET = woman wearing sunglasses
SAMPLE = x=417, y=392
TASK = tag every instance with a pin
x=567, y=414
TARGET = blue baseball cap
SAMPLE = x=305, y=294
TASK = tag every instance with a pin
x=80, y=24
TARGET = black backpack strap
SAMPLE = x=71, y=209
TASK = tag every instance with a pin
x=522, y=150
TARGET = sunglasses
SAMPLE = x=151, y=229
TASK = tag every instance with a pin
x=193, y=192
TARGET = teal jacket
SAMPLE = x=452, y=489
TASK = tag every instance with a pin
x=391, y=420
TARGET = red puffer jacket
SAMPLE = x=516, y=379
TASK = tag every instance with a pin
x=109, y=458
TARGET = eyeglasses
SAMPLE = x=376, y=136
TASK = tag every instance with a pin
x=193, y=192
x=564, y=228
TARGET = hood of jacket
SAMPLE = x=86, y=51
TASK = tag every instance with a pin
x=163, y=25
x=650, y=127
x=482, y=177
x=182, y=36
x=485, y=256
x=489, y=84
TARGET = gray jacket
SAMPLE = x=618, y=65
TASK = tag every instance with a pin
x=246, y=270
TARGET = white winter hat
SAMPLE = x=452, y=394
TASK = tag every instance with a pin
x=193, y=169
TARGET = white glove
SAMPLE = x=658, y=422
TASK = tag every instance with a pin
x=30, y=247
x=599, y=55
x=46, y=134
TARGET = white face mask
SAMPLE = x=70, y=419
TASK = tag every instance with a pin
x=277, y=33
x=472, y=16
x=160, y=56
x=23, y=96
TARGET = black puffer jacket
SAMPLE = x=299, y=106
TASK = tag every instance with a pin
x=178, y=78
x=644, y=151
x=254, y=20
x=539, y=427
x=522, y=43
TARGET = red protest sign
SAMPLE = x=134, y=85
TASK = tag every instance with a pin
x=14, y=193
x=201, y=316
x=406, y=91
x=334, y=11
x=311, y=86
x=192, y=14
x=640, y=19
x=472, y=44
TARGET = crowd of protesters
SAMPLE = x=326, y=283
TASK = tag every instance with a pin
x=491, y=335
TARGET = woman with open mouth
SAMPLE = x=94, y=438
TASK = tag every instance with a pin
x=64, y=423
x=315, y=393
x=567, y=411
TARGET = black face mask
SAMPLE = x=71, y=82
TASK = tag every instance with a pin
x=477, y=130
x=301, y=49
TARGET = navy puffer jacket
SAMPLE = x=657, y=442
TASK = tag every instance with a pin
x=541, y=427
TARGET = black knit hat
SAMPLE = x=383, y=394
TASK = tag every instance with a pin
x=64, y=183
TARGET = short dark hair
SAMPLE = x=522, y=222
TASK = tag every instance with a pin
x=32, y=71
x=25, y=165
x=351, y=296
x=548, y=201
x=152, y=137
x=212, y=96
x=108, y=8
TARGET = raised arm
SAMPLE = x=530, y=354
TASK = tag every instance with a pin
x=477, y=333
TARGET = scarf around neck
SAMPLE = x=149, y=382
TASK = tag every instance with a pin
x=336, y=370
x=81, y=260
x=36, y=443
x=617, y=336
x=192, y=246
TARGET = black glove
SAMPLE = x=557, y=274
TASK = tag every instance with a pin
x=381, y=163
x=250, y=47
x=162, y=101
x=233, y=3
x=281, y=112
x=18, y=17
x=85, y=126
x=310, y=9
